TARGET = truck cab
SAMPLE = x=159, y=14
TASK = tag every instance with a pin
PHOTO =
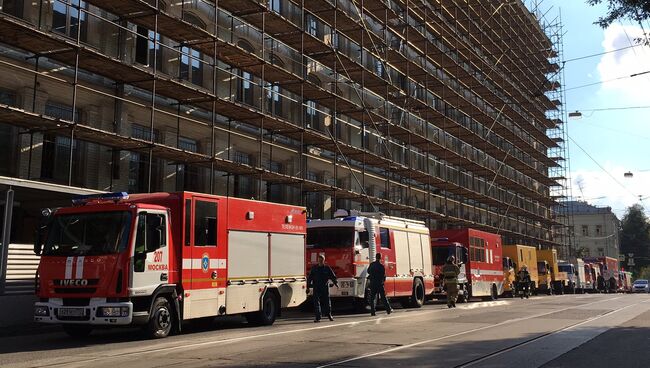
x=439, y=256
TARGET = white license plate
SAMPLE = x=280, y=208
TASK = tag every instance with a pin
x=72, y=312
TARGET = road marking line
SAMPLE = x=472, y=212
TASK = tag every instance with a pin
x=543, y=336
x=402, y=347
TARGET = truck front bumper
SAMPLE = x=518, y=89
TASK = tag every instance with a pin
x=97, y=312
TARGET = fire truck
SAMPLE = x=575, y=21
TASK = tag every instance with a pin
x=479, y=255
x=159, y=259
x=608, y=269
x=349, y=243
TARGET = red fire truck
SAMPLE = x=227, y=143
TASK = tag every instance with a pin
x=351, y=240
x=608, y=269
x=479, y=254
x=163, y=258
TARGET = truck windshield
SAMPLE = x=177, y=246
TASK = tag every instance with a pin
x=86, y=234
x=541, y=268
x=566, y=268
x=330, y=237
x=439, y=255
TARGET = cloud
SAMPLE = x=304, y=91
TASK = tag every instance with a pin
x=624, y=63
x=600, y=189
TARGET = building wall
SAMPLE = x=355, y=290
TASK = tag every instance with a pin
x=598, y=233
x=455, y=186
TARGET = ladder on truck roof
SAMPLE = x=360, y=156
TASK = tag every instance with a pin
x=383, y=216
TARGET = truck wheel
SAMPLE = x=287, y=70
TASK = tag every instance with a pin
x=417, y=298
x=493, y=293
x=77, y=331
x=266, y=316
x=162, y=319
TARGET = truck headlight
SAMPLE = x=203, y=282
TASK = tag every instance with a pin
x=113, y=312
x=41, y=311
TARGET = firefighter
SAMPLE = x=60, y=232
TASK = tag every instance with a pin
x=318, y=280
x=523, y=281
x=450, y=273
x=377, y=277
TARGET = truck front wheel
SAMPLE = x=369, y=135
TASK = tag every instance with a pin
x=161, y=321
x=77, y=331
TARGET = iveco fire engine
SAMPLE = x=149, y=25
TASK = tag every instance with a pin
x=479, y=255
x=163, y=258
x=350, y=242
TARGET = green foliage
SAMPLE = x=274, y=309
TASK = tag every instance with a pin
x=635, y=235
x=582, y=252
x=643, y=273
x=635, y=10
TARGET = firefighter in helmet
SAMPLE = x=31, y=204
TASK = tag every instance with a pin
x=450, y=272
x=319, y=277
x=523, y=281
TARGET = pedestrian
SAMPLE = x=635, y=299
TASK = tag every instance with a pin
x=377, y=278
x=523, y=281
x=450, y=272
x=318, y=280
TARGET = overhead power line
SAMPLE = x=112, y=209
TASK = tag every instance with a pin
x=608, y=80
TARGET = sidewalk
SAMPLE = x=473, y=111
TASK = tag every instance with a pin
x=16, y=316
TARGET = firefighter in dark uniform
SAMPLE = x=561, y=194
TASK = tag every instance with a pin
x=523, y=281
x=450, y=272
x=318, y=280
x=377, y=277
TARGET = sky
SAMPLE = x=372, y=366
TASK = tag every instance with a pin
x=605, y=144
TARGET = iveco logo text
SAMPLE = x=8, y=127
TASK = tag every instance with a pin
x=72, y=282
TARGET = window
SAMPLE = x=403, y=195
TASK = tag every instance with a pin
x=191, y=66
x=13, y=7
x=188, y=220
x=139, y=162
x=599, y=230
x=312, y=115
x=601, y=252
x=311, y=27
x=585, y=230
x=148, y=48
x=69, y=19
x=245, y=88
x=205, y=223
x=274, y=99
x=477, y=251
x=151, y=235
x=187, y=176
x=384, y=237
x=275, y=5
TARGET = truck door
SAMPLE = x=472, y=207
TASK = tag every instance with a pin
x=386, y=248
x=208, y=261
x=150, y=252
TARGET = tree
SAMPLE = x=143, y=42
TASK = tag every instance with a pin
x=635, y=10
x=635, y=235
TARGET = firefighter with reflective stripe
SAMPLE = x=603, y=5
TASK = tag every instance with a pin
x=377, y=277
x=523, y=281
x=318, y=279
x=450, y=272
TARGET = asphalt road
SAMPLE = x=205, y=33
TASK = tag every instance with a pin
x=592, y=331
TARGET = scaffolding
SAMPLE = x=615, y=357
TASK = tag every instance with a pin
x=437, y=111
x=560, y=173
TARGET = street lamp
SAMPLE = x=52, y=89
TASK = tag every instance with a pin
x=576, y=115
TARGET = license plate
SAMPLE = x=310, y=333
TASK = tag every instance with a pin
x=72, y=312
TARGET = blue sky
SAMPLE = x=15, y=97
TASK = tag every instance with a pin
x=618, y=140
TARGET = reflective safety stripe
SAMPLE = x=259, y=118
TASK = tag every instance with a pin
x=79, y=270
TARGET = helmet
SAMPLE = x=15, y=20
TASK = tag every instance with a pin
x=451, y=259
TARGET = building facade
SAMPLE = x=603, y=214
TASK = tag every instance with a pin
x=595, y=229
x=437, y=110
